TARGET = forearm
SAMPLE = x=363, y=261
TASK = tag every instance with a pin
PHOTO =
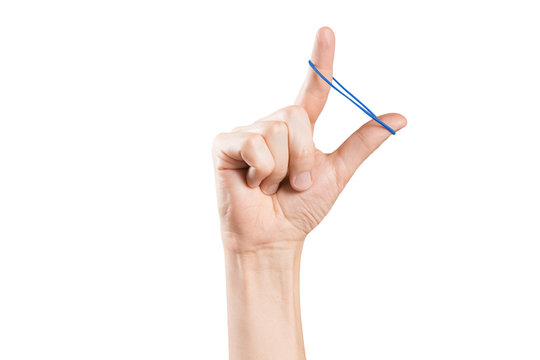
x=264, y=304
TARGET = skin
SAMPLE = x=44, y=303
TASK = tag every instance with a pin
x=273, y=187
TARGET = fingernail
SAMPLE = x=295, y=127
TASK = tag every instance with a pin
x=302, y=181
x=271, y=189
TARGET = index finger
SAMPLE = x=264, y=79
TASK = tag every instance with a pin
x=314, y=91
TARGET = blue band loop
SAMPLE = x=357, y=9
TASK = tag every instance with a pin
x=358, y=103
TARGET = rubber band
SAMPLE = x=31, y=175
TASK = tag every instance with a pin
x=358, y=103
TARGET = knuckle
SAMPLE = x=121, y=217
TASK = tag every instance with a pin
x=303, y=154
x=276, y=128
x=364, y=143
x=253, y=140
x=296, y=112
x=238, y=129
x=217, y=140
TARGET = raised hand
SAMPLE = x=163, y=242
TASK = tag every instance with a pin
x=274, y=186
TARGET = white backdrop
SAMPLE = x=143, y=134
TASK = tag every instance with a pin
x=109, y=236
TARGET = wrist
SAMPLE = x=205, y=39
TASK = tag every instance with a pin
x=263, y=303
x=278, y=256
x=261, y=245
x=269, y=272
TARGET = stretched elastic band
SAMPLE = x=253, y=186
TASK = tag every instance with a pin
x=358, y=103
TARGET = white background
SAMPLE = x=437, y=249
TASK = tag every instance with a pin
x=109, y=236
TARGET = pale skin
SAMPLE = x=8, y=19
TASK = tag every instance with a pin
x=273, y=187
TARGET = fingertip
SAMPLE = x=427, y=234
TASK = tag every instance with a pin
x=394, y=120
x=323, y=50
x=253, y=179
x=302, y=181
x=270, y=189
x=326, y=36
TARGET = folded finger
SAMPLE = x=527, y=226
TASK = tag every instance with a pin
x=275, y=134
x=237, y=150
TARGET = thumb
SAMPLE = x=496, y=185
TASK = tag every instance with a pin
x=364, y=141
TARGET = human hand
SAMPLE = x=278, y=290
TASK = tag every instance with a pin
x=273, y=185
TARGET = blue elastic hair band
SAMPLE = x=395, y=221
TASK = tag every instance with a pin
x=358, y=103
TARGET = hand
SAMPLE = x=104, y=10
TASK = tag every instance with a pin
x=273, y=188
x=273, y=185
